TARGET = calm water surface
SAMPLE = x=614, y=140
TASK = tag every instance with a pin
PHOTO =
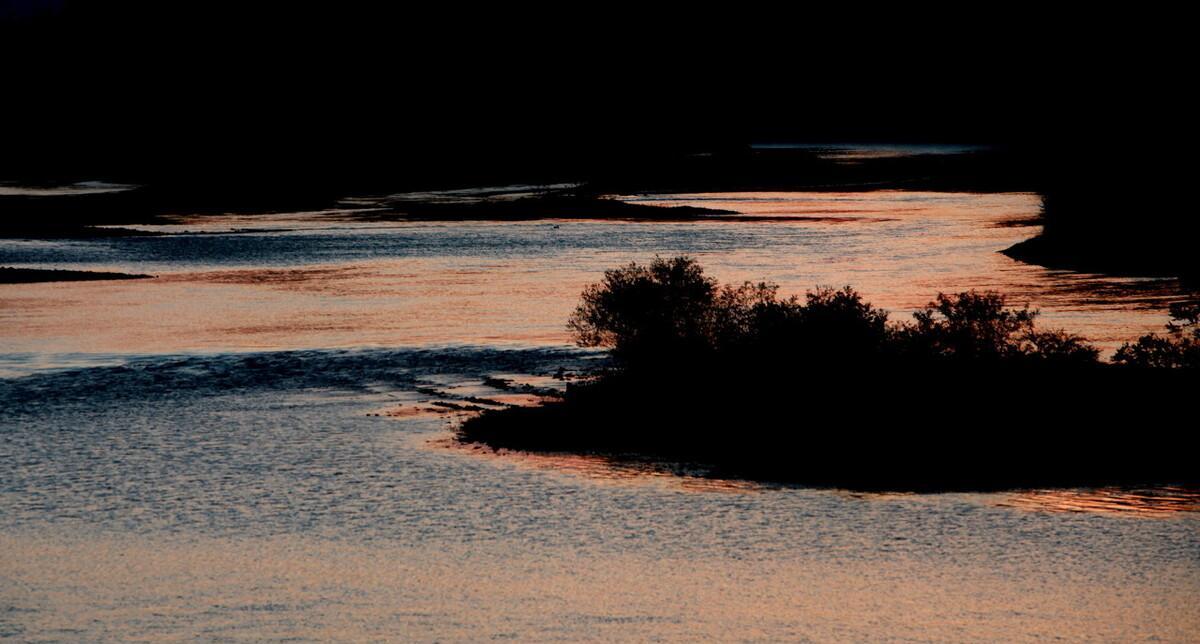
x=254, y=446
x=313, y=280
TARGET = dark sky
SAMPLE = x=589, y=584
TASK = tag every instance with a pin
x=136, y=85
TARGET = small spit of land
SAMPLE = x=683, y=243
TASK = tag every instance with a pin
x=827, y=390
x=556, y=204
x=10, y=275
x=1091, y=228
x=95, y=216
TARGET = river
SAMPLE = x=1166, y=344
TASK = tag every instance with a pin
x=256, y=445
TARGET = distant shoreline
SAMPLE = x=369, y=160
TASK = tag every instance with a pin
x=554, y=205
x=1108, y=209
x=10, y=275
x=101, y=216
x=1107, y=257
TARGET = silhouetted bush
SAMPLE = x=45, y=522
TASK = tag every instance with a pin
x=640, y=310
x=976, y=327
x=1179, y=348
x=839, y=325
x=671, y=310
x=825, y=390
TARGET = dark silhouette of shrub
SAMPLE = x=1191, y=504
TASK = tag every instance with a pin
x=838, y=324
x=645, y=310
x=977, y=327
x=1179, y=348
x=825, y=390
x=740, y=313
x=670, y=310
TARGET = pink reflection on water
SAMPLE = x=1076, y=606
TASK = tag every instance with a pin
x=1146, y=502
x=898, y=248
x=607, y=469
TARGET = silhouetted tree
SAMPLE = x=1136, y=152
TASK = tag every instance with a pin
x=976, y=326
x=740, y=314
x=839, y=324
x=1179, y=348
x=812, y=390
x=671, y=307
x=637, y=310
x=670, y=310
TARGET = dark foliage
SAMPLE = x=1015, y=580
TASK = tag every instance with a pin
x=670, y=309
x=976, y=328
x=826, y=390
x=1179, y=348
x=644, y=310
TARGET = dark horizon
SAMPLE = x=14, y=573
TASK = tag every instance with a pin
x=155, y=89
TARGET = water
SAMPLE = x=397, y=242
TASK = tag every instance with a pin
x=255, y=446
x=9, y=189
x=326, y=279
x=856, y=152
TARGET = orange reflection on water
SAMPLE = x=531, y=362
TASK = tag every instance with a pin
x=508, y=282
x=1147, y=502
x=137, y=588
x=608, y=469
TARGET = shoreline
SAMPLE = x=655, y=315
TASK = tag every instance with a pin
x=11, y=275
x=1088, y=257
x=558, y=205
x=894, y=441
x=828, y=391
